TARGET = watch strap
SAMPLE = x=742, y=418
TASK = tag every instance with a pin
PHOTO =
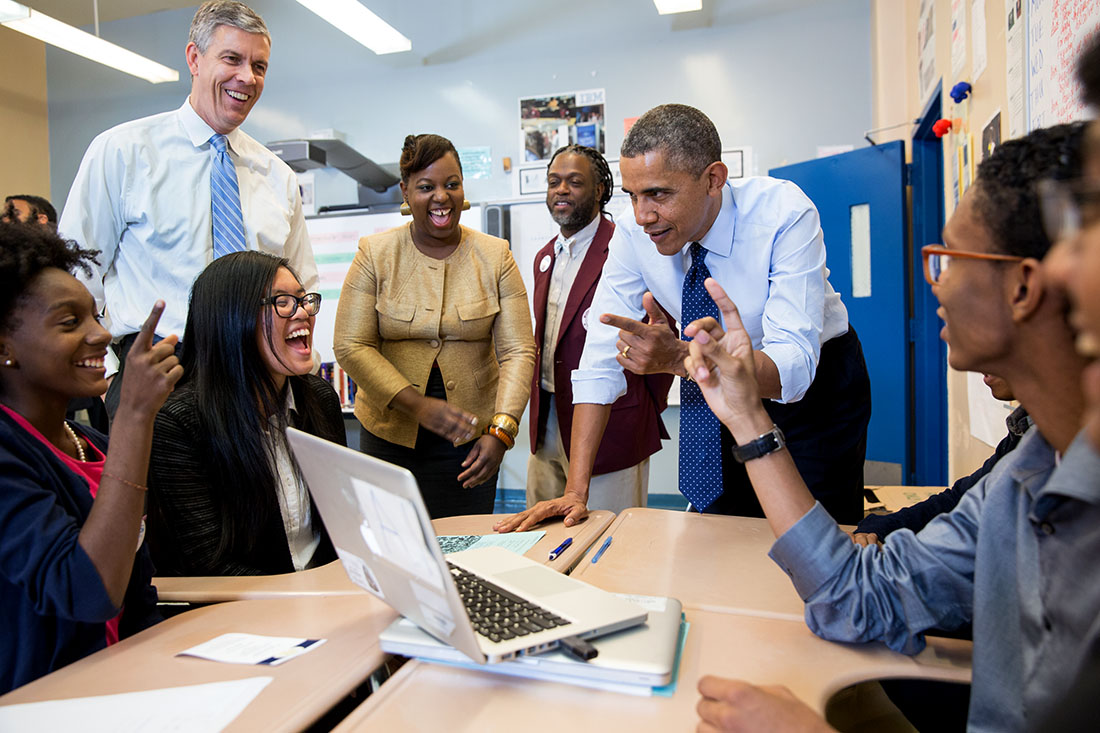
x=769, y=442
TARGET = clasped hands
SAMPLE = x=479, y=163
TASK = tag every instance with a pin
x=458, y=426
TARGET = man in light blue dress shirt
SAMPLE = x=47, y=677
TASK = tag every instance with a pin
x=762, y=240
x=142, y=193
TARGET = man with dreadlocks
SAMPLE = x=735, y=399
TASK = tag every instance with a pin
x=567, y=270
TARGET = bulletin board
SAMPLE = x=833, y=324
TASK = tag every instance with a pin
x=1057, y=32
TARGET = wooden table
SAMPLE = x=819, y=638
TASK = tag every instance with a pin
x=754, y=648
x=302, y=691
x=711, y=562
x=331, y=580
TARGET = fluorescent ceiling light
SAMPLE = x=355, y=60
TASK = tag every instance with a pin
x=668, y=7
x=54, y=32
x=361, y=24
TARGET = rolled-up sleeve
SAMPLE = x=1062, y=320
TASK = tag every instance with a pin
x=794, y=312
x=356, y=340
x=891, y=593
x=513, y=340
x=598, y=378
x=298, y=250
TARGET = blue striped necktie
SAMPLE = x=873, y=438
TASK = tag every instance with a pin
x=700, y=431
x=227, y=223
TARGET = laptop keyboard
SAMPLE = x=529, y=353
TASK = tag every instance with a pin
x=497, y=614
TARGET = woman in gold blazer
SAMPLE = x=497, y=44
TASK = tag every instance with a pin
x=434, y=327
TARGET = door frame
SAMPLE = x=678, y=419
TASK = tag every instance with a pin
x=928, y=352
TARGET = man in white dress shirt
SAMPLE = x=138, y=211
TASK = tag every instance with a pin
x=142, y=195
x=761, y=239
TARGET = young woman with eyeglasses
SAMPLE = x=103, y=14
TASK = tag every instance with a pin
x=225, y=495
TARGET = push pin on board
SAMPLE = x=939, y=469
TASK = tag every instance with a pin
x=960, y=91
x=941, y=127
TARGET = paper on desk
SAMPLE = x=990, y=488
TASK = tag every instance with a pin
x=894, y=498
x=206, y=708
x=517, y=542
x=252, y=649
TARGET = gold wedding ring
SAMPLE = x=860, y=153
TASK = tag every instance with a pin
x=625, y=349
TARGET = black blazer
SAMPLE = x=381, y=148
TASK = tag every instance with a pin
x=183, y=525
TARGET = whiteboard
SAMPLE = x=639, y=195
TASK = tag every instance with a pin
x=335, y=239
x=1057, y=32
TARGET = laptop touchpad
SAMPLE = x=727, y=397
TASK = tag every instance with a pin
x=536, y=581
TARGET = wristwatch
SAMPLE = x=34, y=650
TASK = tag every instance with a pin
x=769, y=442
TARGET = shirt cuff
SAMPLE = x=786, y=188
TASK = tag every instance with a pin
x=794, y=376
x=598, y=386
x=812, y=550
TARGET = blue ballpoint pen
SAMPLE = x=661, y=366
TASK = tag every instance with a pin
x=560, y=548
x=599, y=553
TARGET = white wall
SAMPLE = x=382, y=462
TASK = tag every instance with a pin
x=780, y=75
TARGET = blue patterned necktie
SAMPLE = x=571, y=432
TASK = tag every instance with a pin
x=700, y=431
x=227, y=223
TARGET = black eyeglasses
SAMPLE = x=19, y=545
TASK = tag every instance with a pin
x=286, y=305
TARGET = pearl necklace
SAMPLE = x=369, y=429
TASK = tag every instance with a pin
x=76, y=441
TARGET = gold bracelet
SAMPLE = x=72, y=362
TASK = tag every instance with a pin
x=507, y=423
x=121, y=480
x=497, y=432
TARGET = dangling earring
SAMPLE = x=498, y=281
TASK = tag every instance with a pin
x=405, y=210
x=465, y=205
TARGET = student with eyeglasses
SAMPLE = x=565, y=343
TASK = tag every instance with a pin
x=225, y=495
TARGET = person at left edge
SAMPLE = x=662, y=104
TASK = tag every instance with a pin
x=74, y=571
x=26, y=207
x=142, y=194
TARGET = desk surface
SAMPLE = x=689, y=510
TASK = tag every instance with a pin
x=331, y=580
x=712, y=562
x=303, y=689
x=760, y=650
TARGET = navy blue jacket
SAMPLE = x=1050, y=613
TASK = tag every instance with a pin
x=53, y=606
x=916, y=516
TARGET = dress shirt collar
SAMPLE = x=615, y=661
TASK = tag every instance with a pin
x=577, y=244
x=719, y=238
x=1077, y=476
x=198, y=132
x=290, y=410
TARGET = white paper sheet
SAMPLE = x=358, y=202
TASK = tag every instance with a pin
x=252, y=649
x=204, y=708
x=977, y=39
x=987, y=413
x=958, y=38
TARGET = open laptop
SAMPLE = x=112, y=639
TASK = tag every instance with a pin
x=381, y=531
